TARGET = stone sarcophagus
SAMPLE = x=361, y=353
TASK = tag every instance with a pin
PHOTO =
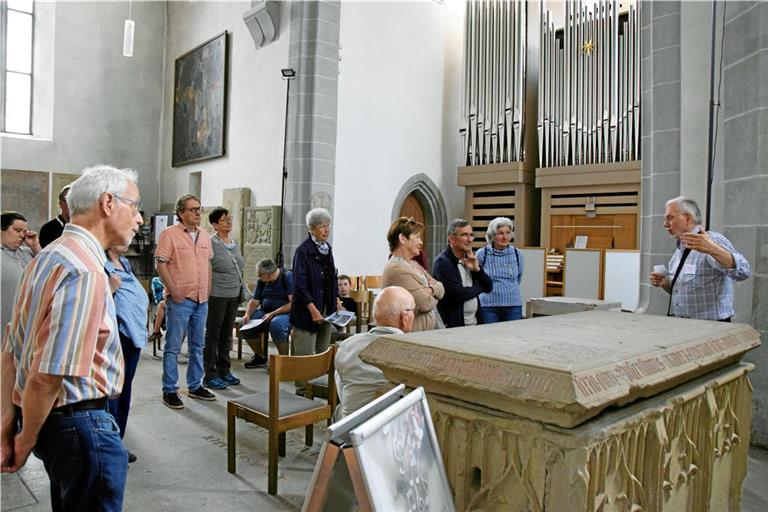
x=595, y=411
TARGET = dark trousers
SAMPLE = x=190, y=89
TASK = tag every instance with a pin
x=218, y=335
x=85, y=461
x=119, y=406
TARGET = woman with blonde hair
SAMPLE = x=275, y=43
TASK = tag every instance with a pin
x=405, y=242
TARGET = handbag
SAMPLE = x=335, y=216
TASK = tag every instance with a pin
x=245, y=292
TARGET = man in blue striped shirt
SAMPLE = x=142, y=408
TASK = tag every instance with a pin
x=702, y=269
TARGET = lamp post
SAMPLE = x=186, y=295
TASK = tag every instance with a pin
x=288, y=75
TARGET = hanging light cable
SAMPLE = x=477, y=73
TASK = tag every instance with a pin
x=128, y=34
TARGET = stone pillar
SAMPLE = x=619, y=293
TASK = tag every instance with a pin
x=745, y=217
x=660, y=100
x=311, y=161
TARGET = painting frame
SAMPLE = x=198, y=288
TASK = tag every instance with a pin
x=200, y=95
x=399, y=458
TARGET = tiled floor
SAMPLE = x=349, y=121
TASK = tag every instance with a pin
x=182, y=458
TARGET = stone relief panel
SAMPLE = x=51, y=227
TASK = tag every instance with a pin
x=235, y=200
x=683, y=450
x=261, y=233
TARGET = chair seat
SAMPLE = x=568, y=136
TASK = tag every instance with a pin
x=290, y=403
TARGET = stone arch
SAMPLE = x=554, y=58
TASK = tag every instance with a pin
x=425, y=190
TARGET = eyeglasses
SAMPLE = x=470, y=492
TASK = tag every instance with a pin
x=135, y=204
x=195, y=210
x=462, y=235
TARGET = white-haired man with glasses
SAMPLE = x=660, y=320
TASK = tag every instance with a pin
x=702, y=269
x=61, y=356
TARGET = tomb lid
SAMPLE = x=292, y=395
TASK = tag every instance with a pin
x=561, y=369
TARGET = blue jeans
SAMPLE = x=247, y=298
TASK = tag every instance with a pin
x=279, y=326
x=187, y=318
x=85, y=460
x=491, y=315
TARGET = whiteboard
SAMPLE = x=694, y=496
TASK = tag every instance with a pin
x=532, y=284
x=622, y=278
x=582, y=273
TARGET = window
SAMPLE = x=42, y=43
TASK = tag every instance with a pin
x=17, y=17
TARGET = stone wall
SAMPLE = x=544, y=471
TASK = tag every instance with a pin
x=745, y=217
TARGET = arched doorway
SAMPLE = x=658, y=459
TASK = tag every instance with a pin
x=420, y=198
x=412, y=208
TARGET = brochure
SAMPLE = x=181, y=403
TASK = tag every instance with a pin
x=340, y=318
x=252, y=324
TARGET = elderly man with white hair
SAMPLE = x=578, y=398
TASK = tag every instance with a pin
x=315, y=290
x=394, y=313
x=703, y=267
x=61, y=357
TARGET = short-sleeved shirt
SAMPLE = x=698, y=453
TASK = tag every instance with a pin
x=227, y=266
x=131, y=302
x=64, y=321
x=274, y=295
x=188, y=260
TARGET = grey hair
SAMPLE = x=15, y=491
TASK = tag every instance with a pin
x=94, y=181
x=497, y=223
x=687, y=205
x=181, y=202
x=266, y=266
x=456, y=224
x=317, y=216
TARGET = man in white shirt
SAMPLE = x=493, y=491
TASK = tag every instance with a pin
x=394, y=312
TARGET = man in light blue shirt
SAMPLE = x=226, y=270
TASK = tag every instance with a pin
x=702, y=269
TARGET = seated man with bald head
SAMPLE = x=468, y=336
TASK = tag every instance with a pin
x=393, y=310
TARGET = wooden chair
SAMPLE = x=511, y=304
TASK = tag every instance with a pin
x=279, y=411
x=373, y=282
x=362, y=298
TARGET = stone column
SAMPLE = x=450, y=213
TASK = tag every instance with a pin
x=311, y=161
x=745, y=177
x=660, y=100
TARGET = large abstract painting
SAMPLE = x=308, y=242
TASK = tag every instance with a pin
x=199, y=102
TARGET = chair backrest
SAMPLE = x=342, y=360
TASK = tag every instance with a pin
x=359, y=296
x=373, y=281
x=284, y=368
x=300, y=368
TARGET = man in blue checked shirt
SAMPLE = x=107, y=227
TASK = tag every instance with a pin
x=703, y=267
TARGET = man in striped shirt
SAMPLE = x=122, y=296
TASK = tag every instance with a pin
x=61, y=355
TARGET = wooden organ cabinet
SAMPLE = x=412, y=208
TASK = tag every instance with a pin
x=501, y=190
x=600, y=202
